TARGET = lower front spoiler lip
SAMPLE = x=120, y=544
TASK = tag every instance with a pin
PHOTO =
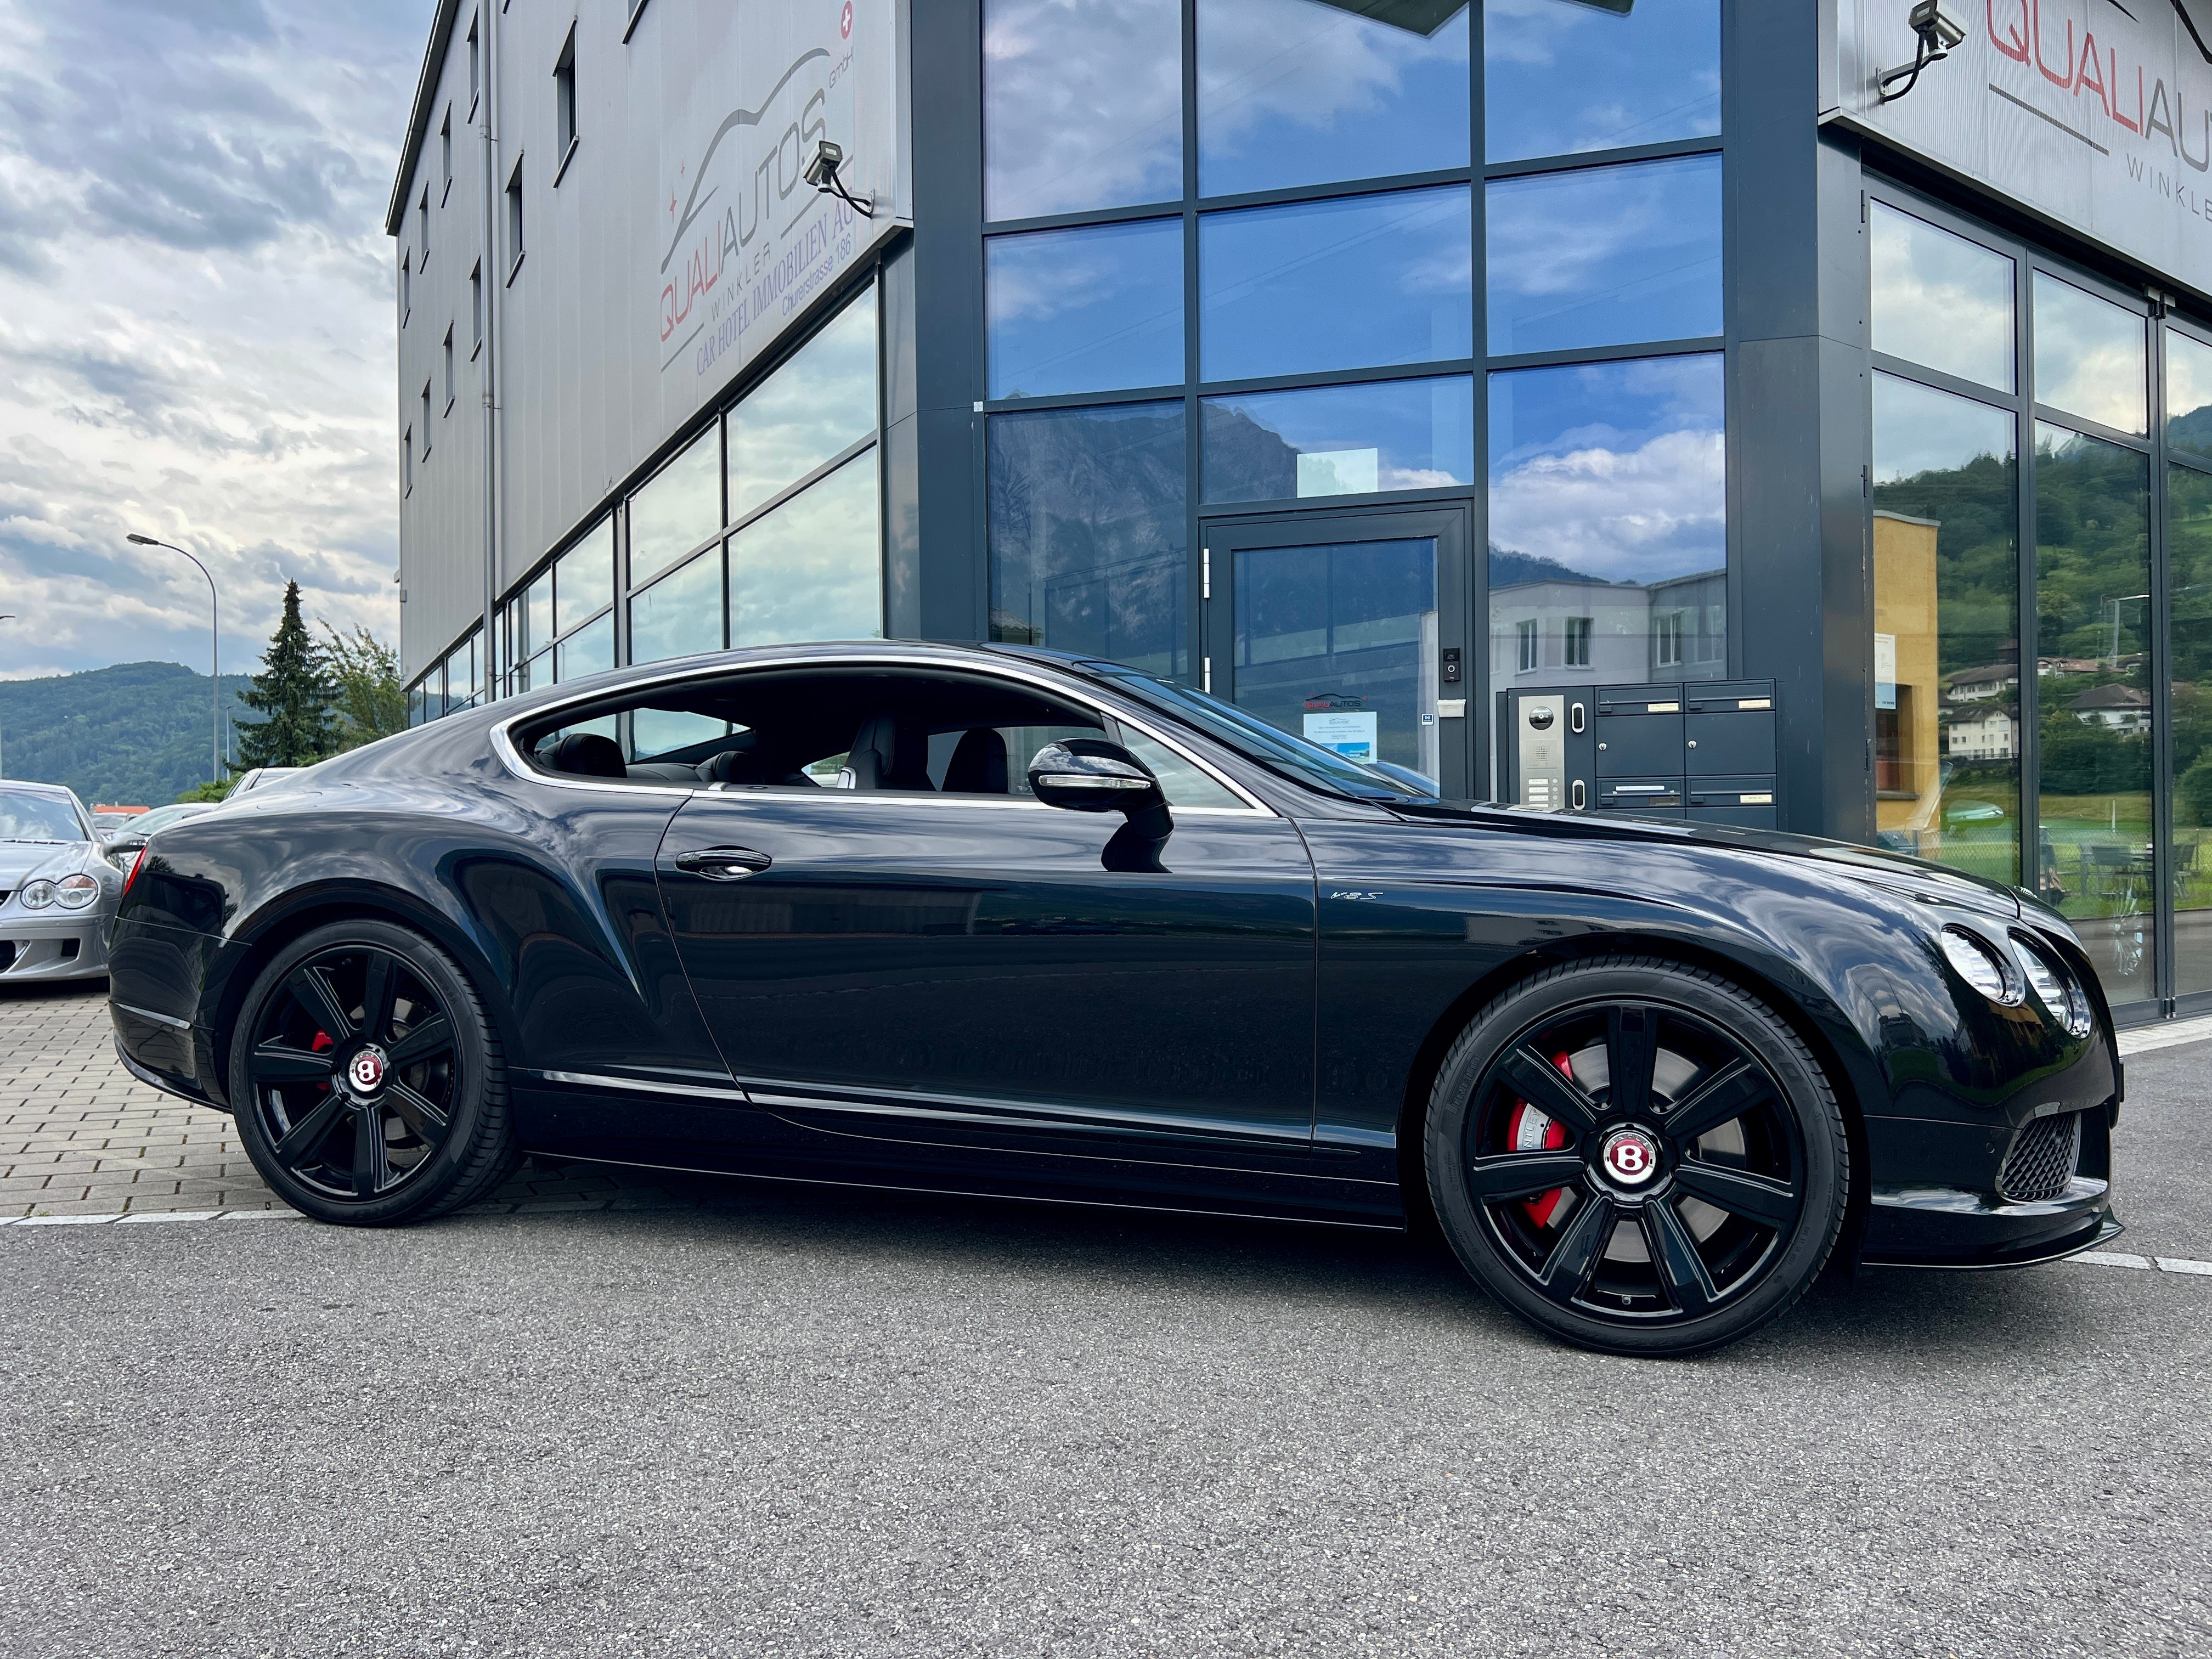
x=37, y=956
x=2102, y=1230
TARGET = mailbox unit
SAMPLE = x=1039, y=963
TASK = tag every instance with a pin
x=1705, y=752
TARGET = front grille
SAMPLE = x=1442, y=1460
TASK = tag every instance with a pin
x=2042, y=1159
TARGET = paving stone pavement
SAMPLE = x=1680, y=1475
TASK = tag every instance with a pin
x=79, y=1135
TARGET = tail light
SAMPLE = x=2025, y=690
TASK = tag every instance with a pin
x=130, y=870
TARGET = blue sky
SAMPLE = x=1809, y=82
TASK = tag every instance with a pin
x=195, y=328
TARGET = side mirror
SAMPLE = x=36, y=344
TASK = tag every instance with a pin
x=1089, y=775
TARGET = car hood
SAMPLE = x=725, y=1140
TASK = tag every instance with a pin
x=1910, y=878
x=20, y=861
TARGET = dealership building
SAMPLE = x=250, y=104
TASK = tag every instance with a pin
x=1388, y=367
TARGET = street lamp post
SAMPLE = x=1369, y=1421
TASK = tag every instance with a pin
x=10, y=616
x=215, y=655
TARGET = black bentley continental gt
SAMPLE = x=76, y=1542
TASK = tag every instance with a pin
x=997, y=921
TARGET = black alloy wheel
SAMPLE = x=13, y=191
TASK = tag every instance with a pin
x=1637, y=1157
x=366, y=1078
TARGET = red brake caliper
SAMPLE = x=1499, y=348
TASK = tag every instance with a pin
x=322, y=1041
x=1527, y=1130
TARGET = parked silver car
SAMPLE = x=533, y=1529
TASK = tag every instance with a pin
x=57, y=889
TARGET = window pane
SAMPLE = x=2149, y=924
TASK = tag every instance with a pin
x=1945, y=630
x=1941, y=300
x=2189, y=570
x=1082, y=105
x=589, y=651
x=2089, y=355
x=1183, y=783
x=656, y=731
x=1605, y=256
x=537, y=614
x=2188, y=395
x=817, y=405
x=1092, y=310
x=1308, y=92
x=1564, y=76
x=1609, y=523
x=812, y=569
x=680, y=507
x=584, y=577
x=2092, y=677
x=680, y=614
x=538, y=671
x=1088, y=548
x=1341, y=440
x=1363, y=281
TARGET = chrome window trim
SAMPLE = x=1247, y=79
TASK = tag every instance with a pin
x=510, y=756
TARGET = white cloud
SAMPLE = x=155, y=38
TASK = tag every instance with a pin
x=195, y=321
x=1630, y=514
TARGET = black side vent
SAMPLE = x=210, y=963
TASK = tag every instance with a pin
x=2042, y=1159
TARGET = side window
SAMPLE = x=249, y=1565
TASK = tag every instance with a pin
x=1183, y=783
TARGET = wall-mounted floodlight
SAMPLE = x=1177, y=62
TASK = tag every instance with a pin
x=1936, y=33
x=821, y=172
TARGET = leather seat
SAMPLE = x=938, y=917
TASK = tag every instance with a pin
x=978, y=766
x=588, y=755
x=888, y=754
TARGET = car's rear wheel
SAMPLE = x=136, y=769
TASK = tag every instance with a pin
x=366, y=1080
x=1637, y=1157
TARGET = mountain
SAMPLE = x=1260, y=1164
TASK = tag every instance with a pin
x=132, y=735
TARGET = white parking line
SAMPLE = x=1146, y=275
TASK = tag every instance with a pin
x=2168, y=1264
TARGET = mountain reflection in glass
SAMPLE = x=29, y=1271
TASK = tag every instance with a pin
x=1340, y=440
x=2188, y=396
x=2189, y=659
x=1946, y=629
x=1561, y=77
x=1088, y=550
x=2093, y=667
x=1609, y=523
x=1309, y=92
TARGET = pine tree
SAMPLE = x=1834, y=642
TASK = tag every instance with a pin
x=292, y=693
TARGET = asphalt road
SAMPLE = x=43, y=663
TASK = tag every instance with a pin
x=796, y=1423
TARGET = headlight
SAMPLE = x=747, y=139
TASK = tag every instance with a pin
x=1978, y=963
x=36, y=895
x=76, y=891
x=2057, y=989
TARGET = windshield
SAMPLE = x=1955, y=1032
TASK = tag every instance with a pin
x=26, y=817
x=1296, y=759
x=147, y=822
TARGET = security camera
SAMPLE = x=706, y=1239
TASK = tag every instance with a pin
x=1935, y=35
x=1937, y=31
x=822, y=166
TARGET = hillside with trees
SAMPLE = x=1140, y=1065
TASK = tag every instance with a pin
x=134, y=734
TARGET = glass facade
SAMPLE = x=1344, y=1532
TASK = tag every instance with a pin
x=2042, y=546
x=764, y=528
x=1357, y=282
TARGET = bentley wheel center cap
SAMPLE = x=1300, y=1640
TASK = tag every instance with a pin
x=365, y=1071
x=1631, y=1158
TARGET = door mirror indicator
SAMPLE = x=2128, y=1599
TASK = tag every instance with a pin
x=1090, y=775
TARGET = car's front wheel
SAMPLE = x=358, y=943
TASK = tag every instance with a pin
x=366, y=1080
x=1637, y=1157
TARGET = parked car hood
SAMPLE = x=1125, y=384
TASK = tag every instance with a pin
x=1912, y=877
x=20, y=861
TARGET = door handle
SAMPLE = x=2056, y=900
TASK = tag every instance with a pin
x=724, y=863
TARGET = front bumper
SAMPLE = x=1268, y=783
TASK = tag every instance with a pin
x=54, y=943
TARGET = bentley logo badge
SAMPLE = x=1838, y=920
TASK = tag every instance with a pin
x=366, y=1071
x=1631, y=1157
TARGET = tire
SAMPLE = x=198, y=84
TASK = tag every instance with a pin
x=367, y=1081
x=1677, y=1212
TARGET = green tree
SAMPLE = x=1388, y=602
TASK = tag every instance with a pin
x=292, y=693
x=209, y=791
x=367, y=699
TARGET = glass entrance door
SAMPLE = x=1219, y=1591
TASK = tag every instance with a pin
x=1349, y=631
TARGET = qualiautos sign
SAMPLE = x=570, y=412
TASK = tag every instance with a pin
x=2097, y=116
x=746, y=242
